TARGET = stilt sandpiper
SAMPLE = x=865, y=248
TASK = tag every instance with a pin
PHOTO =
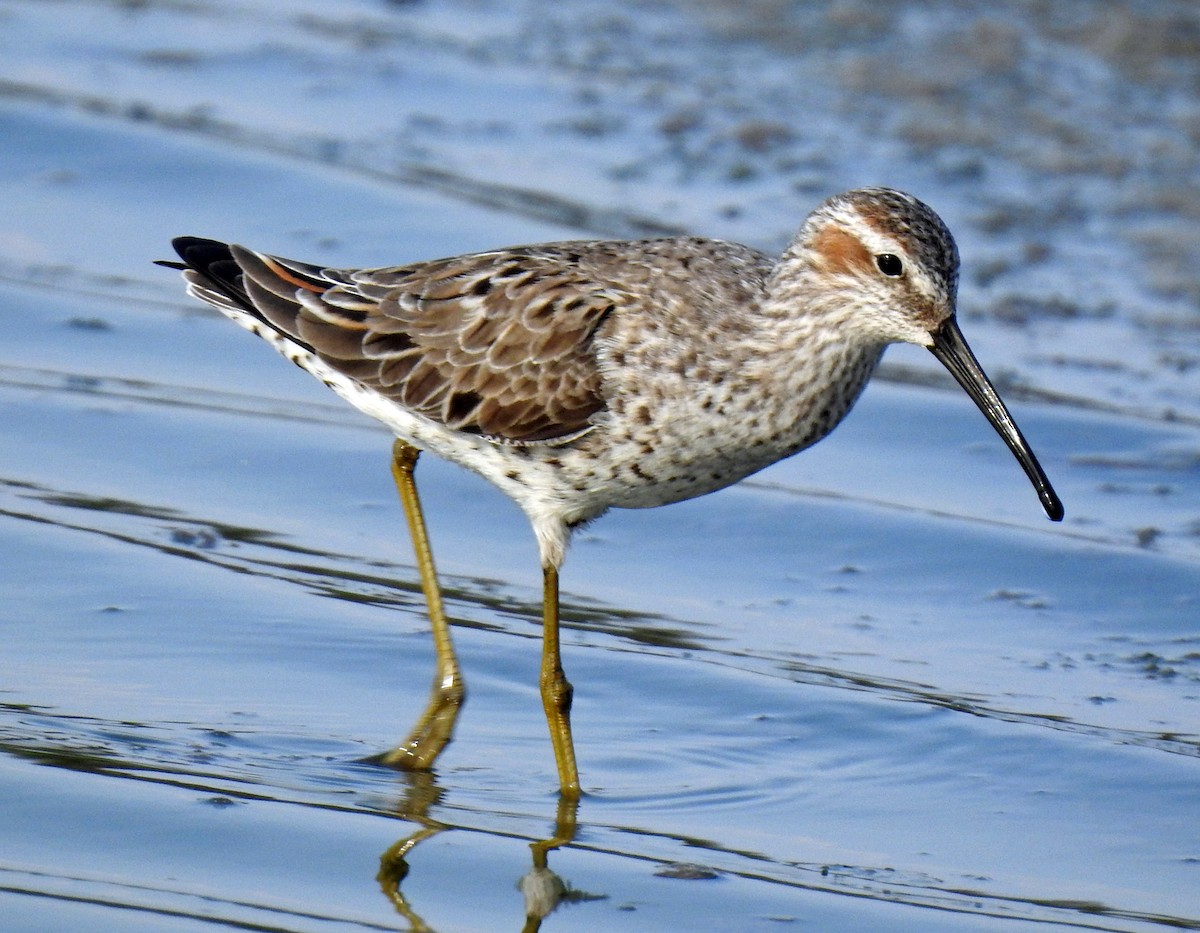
x=584, y=375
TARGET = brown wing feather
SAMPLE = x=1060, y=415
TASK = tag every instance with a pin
x=499, y=344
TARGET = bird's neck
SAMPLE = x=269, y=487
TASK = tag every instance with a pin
x=813, y=357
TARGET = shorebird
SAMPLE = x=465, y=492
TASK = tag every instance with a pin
x=585, y=375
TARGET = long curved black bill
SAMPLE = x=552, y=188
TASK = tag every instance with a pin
x=952, y=350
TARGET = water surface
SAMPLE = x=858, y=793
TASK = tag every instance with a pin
x=870, y=689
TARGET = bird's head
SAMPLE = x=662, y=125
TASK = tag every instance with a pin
x=887, y=266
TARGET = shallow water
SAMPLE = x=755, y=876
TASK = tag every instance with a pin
x=869, y=689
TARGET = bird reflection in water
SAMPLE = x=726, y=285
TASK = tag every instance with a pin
x=543, y=890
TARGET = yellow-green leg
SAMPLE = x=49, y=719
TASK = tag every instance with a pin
x=434, y=729
x=556, y=691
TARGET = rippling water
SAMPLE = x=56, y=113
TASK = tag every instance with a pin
x=870, y=689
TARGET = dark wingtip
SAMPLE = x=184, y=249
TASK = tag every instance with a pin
x=214, y=261
x=200, y=253
x=197, y=253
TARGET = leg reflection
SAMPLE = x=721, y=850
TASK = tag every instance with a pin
x=542, y=889
x=422, y=794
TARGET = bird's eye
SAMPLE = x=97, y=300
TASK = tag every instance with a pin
x=889, y=264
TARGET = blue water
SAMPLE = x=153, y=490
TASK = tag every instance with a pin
x=870, y=689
